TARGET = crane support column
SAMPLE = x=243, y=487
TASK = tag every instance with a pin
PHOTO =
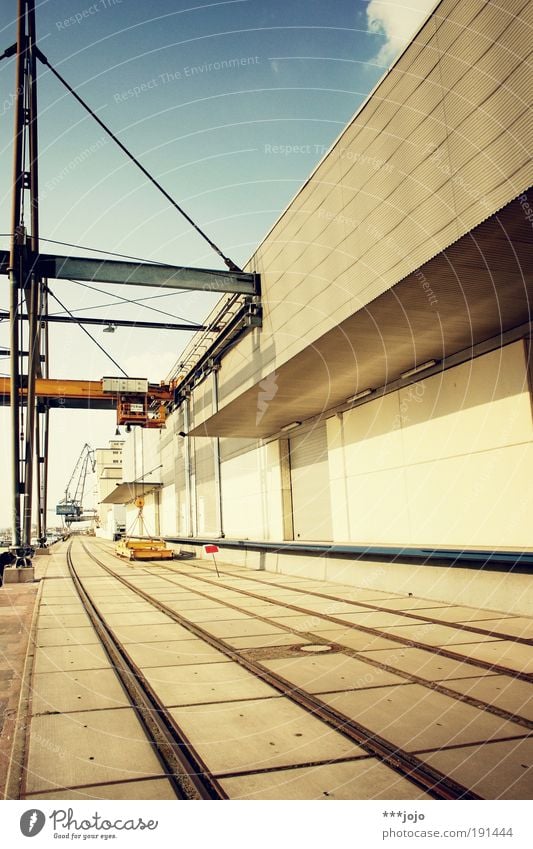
x=25, y=283
x=16, y=271
x=33, y=282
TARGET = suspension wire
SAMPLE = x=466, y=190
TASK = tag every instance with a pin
x=10, y=51
x=138, y=301
x=103, y=350
x=117, y=304
x=95, y=250
x=229, y=263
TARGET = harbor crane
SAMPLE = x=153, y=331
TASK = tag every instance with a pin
x=71, y=507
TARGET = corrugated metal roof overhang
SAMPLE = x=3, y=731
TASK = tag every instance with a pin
x=479, y=287
x=126, y=492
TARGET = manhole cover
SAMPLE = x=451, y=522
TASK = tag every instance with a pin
x=315, y=649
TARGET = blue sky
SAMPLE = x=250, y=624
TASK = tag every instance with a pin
x=202, y=93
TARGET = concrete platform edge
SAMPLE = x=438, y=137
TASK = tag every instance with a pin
x=14, y=575
x=18, y=748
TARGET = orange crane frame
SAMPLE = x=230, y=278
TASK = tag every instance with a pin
x=142, y=408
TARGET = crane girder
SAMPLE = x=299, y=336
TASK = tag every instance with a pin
x=124, y=273
x=134, y=405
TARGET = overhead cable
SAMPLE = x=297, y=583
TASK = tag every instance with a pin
x=229, y=263
x=73, y=317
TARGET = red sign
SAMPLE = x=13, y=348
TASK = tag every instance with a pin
x=211, y=549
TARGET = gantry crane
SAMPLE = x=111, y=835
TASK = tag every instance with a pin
x=136, y=401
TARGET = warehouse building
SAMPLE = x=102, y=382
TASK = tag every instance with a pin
x=382, y=412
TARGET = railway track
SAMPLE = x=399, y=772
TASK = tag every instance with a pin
x=383, y=609
x=377, y=632
x=406, y=764
x=407, y=643
x=189, y=775
x=374, y=662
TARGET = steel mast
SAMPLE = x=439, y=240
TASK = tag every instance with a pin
x=26, y=291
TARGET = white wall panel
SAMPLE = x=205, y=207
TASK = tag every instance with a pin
x=251, y=491
x=372, y=436
x=128, y=457
x=477, y=406
x=141, y=455
x=483, y=499
x=150, y=515
x=377, y=507
x=167, y=513
x=445, y=461
x=206, y=490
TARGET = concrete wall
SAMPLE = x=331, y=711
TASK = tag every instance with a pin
x=112, y=519
x=251, y=491
x=443, y=462
x=141, y=455
x=446, y=461
x=108, y=475
x=167, y=510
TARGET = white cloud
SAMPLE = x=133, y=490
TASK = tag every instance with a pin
x=397, y=20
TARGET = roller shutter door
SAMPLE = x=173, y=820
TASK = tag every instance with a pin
x=310, y=485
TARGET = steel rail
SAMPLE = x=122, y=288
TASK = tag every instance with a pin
x=527, y=641
x=189, y=775
x=376, y=632
x=409, y=766
x=348, y=650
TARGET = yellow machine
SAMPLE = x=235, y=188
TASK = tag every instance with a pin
x=143, y=549
x=135, y=548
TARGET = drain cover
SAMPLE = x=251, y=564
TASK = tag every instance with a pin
x=315, y=649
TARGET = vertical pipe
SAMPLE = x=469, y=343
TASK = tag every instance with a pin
x=40, y=535
x=15, y=269
x=286, y=489
x=188, y=469
x=33, y=136
x=46, y=414
x=216, y=446
x=41, y=425
x=32, y=296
